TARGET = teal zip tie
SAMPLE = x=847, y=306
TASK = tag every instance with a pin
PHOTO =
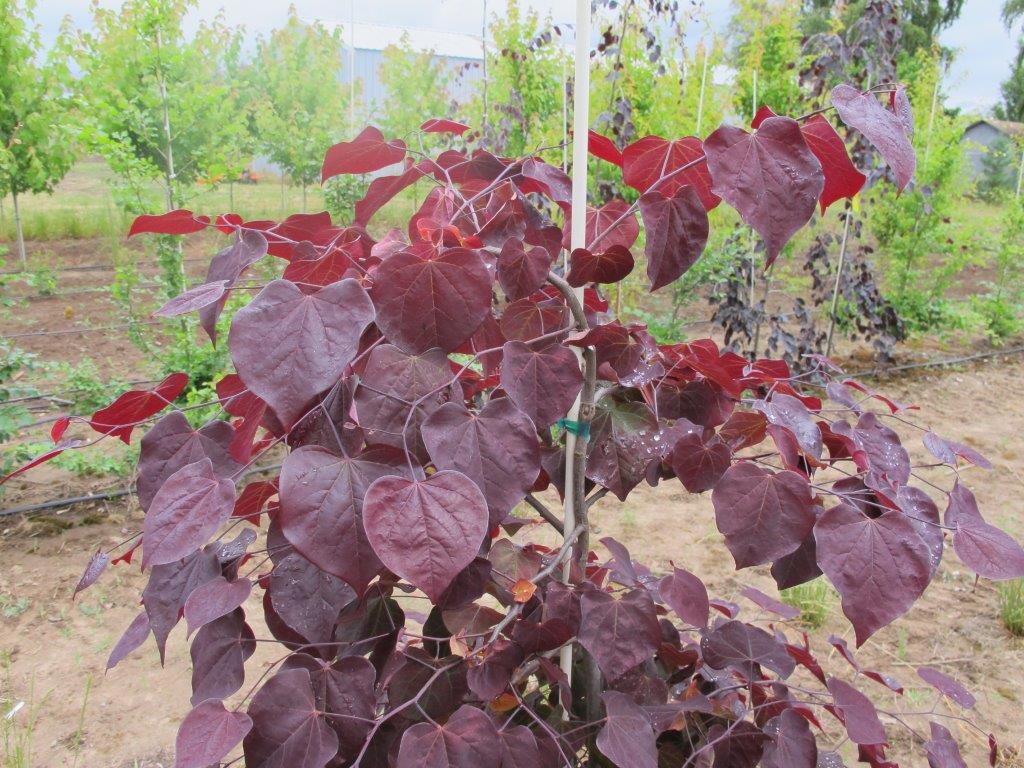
x=578, y=428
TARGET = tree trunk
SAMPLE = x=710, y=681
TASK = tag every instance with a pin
x=20, y=236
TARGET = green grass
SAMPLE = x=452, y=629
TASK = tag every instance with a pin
x=814, y=600
x=1011, y=605
x=83, y=206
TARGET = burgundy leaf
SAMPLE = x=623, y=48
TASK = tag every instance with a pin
x=948, y=451
x=604, y=148
x=253, y=499
x=93, y=570
x=686, y=595
x=288, y=728
x=394, y=381
x=942, y=749
x=543, y=382
x=627, y=737
x=525, y=320
x=496, y=448
x=366, y=153
x=609, y=267
x=769, y=603
x=522, y=271
x=383, y=189
x=288, y=346
x=879, y=565
x=550, y=180
x=792, y=744
x=699, y=465
x=468, y=740
x=187, y=510
x=169, y=587
x=443, y=125
x=228, y=265
x=219, y=652
x=214, y=599
x=433, y=299
x=178, y=222
x=770, y=177
x=881, y=127
x=798, y=567
x=207, y=734
x=842, y=179
x=135, y=406
x=856, y=712
x=426, y=531
x=885, y=453
x=623, y=444
x=763, y=515
x=611, y=224
x=677, y=232
x=321, y=511
x=740, y=746
x=172, y=443
x=620, y=633
x=787, y=411
x=519, y=748
x=744, y=646
x=988, y=551
x=308, y=599
x=647, y=161
x=132, y=638
x=947, y=686
x=193, y=299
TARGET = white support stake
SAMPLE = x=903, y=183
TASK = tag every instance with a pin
x=577, y=239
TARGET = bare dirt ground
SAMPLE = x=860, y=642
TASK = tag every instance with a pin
x=53, y=649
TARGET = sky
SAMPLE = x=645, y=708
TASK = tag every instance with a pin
x=985, y=48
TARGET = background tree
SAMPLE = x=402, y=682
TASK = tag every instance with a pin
x=417, y=84
x=921, y=21
x=36, y=141
x=766, y=48
x=301, y=106
x=1012, y=106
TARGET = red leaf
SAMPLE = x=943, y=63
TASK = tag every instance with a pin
x=431, y=300
x=252, y=499
x=548, y=180
x=604, y=148
x=42, y=459
x=879, y=565
x=988, y=551
x=609, y=267
x=763, y=515
x=207, y=734
x=193, y=299
x=543, y=382
x=842, y=179
x=793, y=744
x=383, y=189
x=443, y=125
x=610, y=225
x=497, y=448
x=744, y=647
x=59, y=427
x=366, y=153
x=132, y=638
x=627, y=738
x=289, y=729
x=522, y=271
x=619, y=633
x=187, y=510
x=178, y=222
x=677, y=232
x=942, y=749
x=768, y=603
x=308, y=599
x=322, y=511
x=947, y=451
x=135, y=406
x=881, y=127
x=686, y=595
x=770, y=177
x=625, y=442
x=214, y=599
x=272, y=338
x=426, y=531
x=97, y=565
x=467, y=740
x=857, y=713
x=652, y=158
x=947, y=686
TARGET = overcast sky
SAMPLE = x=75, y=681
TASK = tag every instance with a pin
x=986, y=49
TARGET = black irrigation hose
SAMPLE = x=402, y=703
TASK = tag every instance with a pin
x=879, y=372
x=72, y=500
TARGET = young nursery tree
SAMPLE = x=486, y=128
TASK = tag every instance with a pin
x=36, y=140
x=417, y=388
x=299, y=114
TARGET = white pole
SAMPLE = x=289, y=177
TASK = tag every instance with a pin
x=703, y=85
x=565, y=117
x=753, y=100
x=578, y=239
